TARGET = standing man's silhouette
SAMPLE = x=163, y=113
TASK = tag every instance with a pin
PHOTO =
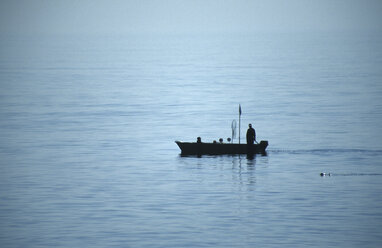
x=251, y=135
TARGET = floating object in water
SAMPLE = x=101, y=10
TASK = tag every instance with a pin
x=323, y=174
x=350, y=174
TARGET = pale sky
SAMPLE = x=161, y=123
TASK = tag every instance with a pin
x=193, y=16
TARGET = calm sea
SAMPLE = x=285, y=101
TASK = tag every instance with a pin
x=88, y=124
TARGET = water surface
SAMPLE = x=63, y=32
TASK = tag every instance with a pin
x=88, y=124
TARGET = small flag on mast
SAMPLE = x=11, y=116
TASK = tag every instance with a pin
x=239, y=109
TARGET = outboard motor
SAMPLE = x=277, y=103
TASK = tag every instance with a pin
x=264, y=143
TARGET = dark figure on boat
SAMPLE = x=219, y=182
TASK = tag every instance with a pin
x=251, y=135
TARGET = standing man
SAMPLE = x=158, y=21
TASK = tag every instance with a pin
x=251, y=135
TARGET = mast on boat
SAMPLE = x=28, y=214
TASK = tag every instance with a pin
x=239, y=120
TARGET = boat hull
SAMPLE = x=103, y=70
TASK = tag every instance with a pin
x=194, y=148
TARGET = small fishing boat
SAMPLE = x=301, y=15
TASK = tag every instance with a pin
x=200, y=148
x=215, y=148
